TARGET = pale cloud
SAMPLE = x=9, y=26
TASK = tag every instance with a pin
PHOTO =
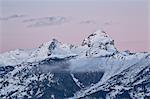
x=46, y=21
x=108, y=23
x=15, y=16
x=88, y=22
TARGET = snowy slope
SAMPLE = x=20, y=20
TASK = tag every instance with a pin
x=14, y=57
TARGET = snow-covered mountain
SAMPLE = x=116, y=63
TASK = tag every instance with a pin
x=94, y=69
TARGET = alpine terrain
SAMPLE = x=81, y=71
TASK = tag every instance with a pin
x=93, y=70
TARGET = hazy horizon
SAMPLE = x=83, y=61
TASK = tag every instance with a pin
x=27, y=24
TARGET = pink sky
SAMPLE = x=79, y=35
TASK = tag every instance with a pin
x=127, y=22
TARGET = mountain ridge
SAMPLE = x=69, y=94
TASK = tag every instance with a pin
x=94, y=69
x=97, y=42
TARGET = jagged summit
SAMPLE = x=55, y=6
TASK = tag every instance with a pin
x=98, y=38
x=48, y=47
x=99, y=42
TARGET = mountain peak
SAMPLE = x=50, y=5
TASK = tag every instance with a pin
x=54, y=43
x=99, y=39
